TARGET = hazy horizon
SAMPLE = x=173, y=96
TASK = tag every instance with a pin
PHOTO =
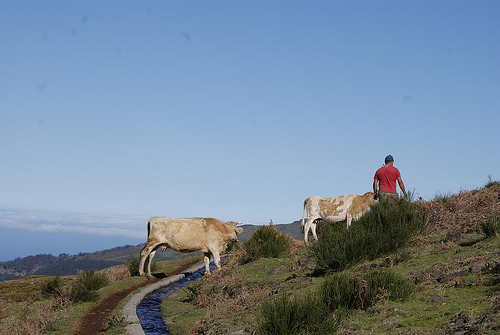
x=59, y=232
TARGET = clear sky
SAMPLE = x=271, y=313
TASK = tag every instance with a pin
x=115, y=111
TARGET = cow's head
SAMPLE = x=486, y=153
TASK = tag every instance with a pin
x=233, y=230
x=372, y=197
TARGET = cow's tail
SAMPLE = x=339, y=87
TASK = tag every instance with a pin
x=144, y=255
x=149, y=228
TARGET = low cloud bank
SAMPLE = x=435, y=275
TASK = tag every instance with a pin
x=66, y=222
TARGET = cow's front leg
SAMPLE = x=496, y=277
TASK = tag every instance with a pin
x=349, y=220
x=216, y=254
x=206, y=259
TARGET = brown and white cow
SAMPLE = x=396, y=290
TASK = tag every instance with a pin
x=345, y=207
x=207, y=235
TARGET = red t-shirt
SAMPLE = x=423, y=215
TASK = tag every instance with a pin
x=387, y=176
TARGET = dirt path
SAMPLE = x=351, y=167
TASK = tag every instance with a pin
x=96, y=319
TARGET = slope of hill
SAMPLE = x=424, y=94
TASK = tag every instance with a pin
x=465, y=211
x=453, y=265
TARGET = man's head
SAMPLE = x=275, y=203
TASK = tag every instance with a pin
x=389, y=159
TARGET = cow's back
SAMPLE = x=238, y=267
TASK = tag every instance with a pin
x=185, y=234
x=329, y=207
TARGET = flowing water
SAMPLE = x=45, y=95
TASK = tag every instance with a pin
x=148, y=311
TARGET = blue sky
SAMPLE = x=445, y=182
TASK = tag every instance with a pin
x=234, y=109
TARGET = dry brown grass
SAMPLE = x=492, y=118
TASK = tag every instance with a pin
x=223, y=293
x=462, y=212
x=227, y=287
x=117, y=272
x=22, y=312
x=34, y=316
x=20, y=289
x=238, y=256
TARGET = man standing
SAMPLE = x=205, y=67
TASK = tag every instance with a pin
x=386, y=178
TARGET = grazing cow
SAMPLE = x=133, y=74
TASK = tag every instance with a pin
x=350, y=206
x=186, y=235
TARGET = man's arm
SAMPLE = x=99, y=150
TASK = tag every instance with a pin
x=375, y=182
x=402, y=185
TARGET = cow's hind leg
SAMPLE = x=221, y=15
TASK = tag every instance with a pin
x=310, y=225
x=147, y=254
x=313, y=229
x=150, y=260
x=144, y=256
x=306, y=229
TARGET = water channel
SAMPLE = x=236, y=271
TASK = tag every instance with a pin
x=148, y=311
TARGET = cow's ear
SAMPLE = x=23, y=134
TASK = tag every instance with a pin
x=239, y=230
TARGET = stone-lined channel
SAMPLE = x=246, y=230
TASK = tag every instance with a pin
x=148, y=311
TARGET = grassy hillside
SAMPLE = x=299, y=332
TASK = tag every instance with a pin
x=452, y=265
x=452, y=293
x=24, y=309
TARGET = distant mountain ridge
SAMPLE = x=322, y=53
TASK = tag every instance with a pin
x=65, y=264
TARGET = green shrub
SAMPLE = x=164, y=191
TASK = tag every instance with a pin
x=52, y=287
x=337, y=248
x=267, y=242
x=133, y=266
x=85, y=287
x=93, y=280
x=491, y=182
x=303, y=314
x=387, y=282
x=393, y=223
x=231, y=246
x=385, y=229
x=80, y=293
x=444, y=197
x=116, y=324
x=339, y=291
x=491, y=228
x=195, y=290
